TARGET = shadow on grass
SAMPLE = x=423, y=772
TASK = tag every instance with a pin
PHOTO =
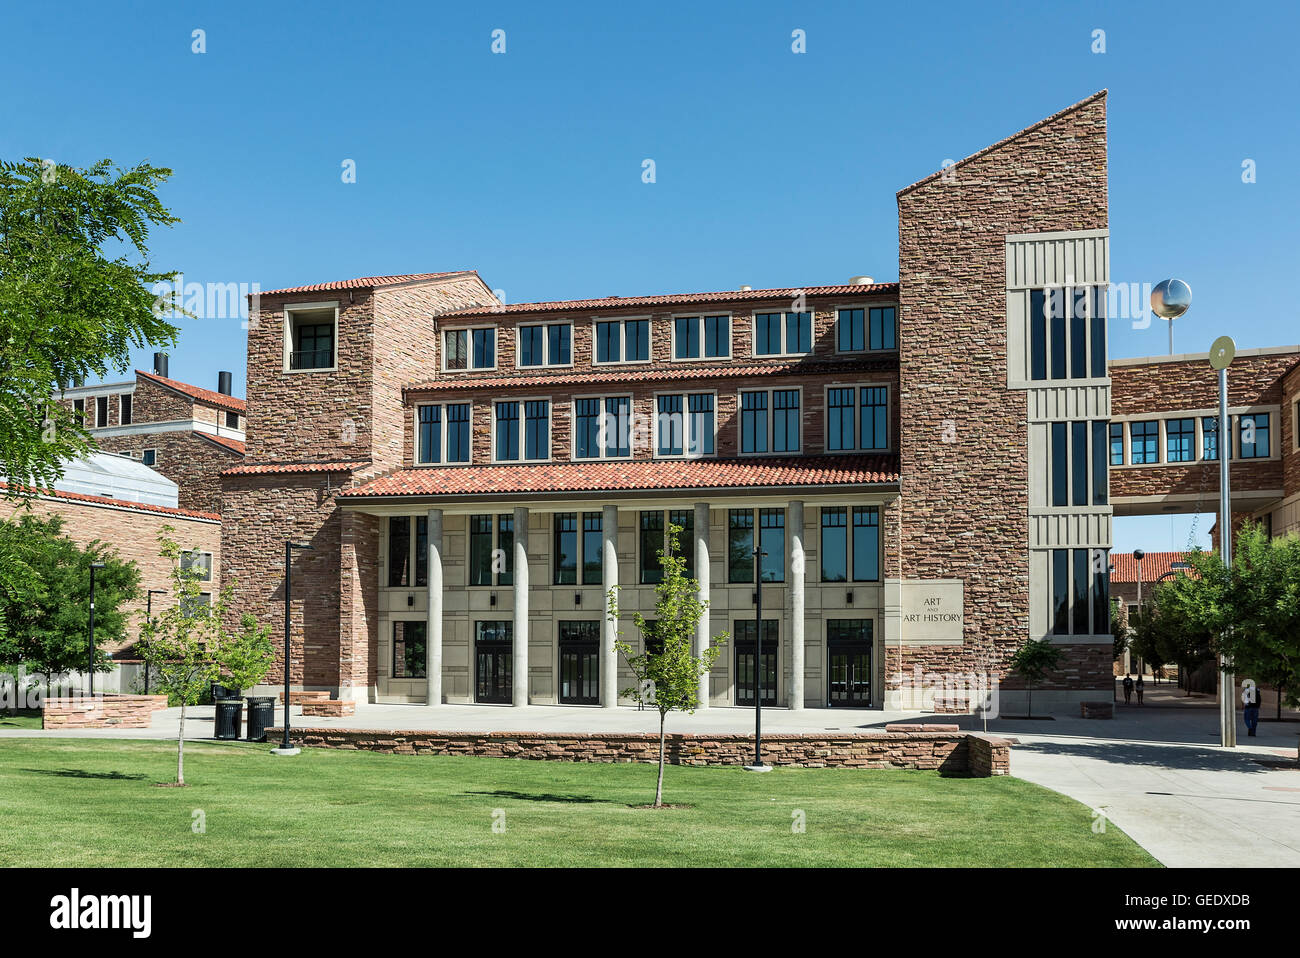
x=82, y=773
x=546, y=797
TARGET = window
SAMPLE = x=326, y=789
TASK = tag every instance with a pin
x=684, y=519
x=843, y=417
x=1078, y=333
x=486, y=566
x=866, y=543
x=198, y=560
x=684, y=424
x=1100, y=469
x=1099, y=370
x=626, y=341
x=1080, y=594
x=1060, y=613
x=701, y=337
x=101, y=411
x=602, y=427
x=593, y=572
x=1254, y=436
x=1037, y=334
x=835, y=544
x=861, y=329
x=409, y=644
x=1060, y=466
x=232, y=420
x=566, y=548
x=124, y=409
x=1079, y=607
x=1055, y=305
x=1210, y=436
x=149, y=457
x=1079, y=463
x=651, y=526
x=740, y=545
x=530, y=419
x=190, y=605
x=466, y=349
x=79, y=407
x=1117, y=444
x=1180, y=440
x=311, y=338
x=875, y=405
x=782, y=334
x=1144, y=438
x=399, y=551
x=443, y=433
x=773, y=413
x=1068, y=456
x=545, y=345
x=1067, y=333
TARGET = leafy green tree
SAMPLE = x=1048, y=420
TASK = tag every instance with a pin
x=1167, y=630
x=668, y=677
x=48, y=631
x=1118, y=632
x=76, y=296
x=246, y=660
x=1032, y=661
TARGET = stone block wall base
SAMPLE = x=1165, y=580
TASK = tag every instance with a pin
x=102, y=711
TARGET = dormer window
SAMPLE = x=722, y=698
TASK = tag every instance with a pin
x=469, y=349
x=311, y=336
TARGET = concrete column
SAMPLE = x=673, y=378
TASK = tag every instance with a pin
x=608, y=628
x=794, y=520
x=520, y=667
x=702, y=571
x=433, y=628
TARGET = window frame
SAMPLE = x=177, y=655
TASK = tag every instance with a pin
x=770, y=413
x=494, y=544
x=126, y=409
x=573, y=427
x=1093, y=320
x=107, y=411
x=469, y=331
x=785, y=315
x=145, y=452
x=522, y=402
x=203, y=554
x=866, y=329
x=686, y=414
x=622, y=322
x=290, y=326
x=700, y=316
x=857, y=388
x=442, y=451
x=545, y=326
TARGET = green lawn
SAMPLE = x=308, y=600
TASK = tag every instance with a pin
x=78, y=803
x=24, y=718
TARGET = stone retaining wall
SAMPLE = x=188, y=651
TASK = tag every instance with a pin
x=950, y=752
x=102, y=711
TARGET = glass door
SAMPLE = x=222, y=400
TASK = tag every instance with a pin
x=493, y=658
x=749, y=661
x=580, y=663
x=848, y=647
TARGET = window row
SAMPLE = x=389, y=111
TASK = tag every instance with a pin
x=702, y=336
x=124, y=405
x=1080, y=592
x=1077, y=459
x=1251, y=438
x=1067, y=333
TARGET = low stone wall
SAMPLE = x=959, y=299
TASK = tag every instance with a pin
x=948, y=751
x=102, y=711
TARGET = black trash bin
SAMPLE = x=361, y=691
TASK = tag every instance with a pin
x=220, y=692
x=261, y=716
x=229, y=712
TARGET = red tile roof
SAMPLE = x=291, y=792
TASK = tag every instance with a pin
x=367, y=282
x=629, y=476
x=118, y=503
x=1154, y=565
x=210, y=396
x=648, y=373
x=277, y=468
x=234, y=445
x=678, y=299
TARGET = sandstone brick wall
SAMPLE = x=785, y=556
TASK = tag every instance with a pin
x=965, y=503
x=134, y=534
x=102, y=711
x=189, y=460
x=947, y=752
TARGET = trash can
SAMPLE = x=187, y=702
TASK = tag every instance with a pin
x=261, y=716
x=228, y=715
x=220, y=692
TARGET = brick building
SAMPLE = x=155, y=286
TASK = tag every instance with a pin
x=187, y=433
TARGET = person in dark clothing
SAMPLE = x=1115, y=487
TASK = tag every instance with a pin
x=1141, y=687
x=1128, y=689
x=1250, y=703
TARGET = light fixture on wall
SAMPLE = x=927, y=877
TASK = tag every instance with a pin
x=848, y=597
x=410, y=598
x=492, y=599
x=577, y=598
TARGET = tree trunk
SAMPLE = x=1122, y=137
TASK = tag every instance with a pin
x=659, y=786
x=1030, y=713
x=180, y=750
x=1279, y=701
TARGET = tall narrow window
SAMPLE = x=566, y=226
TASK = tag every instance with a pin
x=409, y=643
x=866, y=543
x=458, y=432
x=399, y=551
x=841, y=434
x=684, y=519
x=430, y=433
x=1056, y=313
x=1210, y=437
x=1101, y=593
x=558, y=348
x=1254, y=436
x=1079, y=463
x=483, y=348
x=609, y=342
x=480, y=550
x=785, y=420
x=1037, y=334
x=1144, y=442
x=882, y=325
x=1079, y=334
x=507, y=431
x=124, y=409
x=618, y=427
x=1100, y=473
x=586, y=428
x=530, y=345
x=537, y=429
x=798, y=332
x=851, y=333
x=506, y=544
x=717, y=337
x=740, y=545
x=671, y=426
x=875, y=406
x=1098, y=334
x=767, y=334
x=1060, y=466
x=753, y=422
x=566, y=548
x=1060, y=612
x=771, y=540
x=652, y=543
x=592, y=565
x=636, y=336
x=421, y=551
x=101, y=411
x=686, y=338
x=1081, y=592
x=1117, y=444
x=1180, y=440
x=700, y=437
x=834, y=550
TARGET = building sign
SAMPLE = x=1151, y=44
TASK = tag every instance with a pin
x=933, y=610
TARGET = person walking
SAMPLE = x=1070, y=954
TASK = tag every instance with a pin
x=1128, y=689
x=1141, y=687
x=1250, y=705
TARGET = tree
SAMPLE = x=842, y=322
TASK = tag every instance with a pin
x=1165, y=631
x=1118, y=632
x=75, y=294
x=668, y=677
x=246, y=660
x=47, y=633
x=1032, y=661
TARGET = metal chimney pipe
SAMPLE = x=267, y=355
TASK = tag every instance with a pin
x=223, y=382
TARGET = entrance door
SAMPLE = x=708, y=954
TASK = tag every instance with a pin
x=748, y=661
x=493, y=658
x=580, y=663
x=848, y=647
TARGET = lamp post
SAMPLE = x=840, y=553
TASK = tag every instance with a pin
x=1169, y=300
x=148, y=614
x=1222, y=351
x=758, y=765
x=90, y=672
x=286, y=747
x=1138, y=554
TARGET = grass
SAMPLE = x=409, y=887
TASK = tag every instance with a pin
x=76, y=802
x=24, y=718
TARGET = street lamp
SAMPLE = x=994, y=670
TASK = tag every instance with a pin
x=1138, y=554
x=90, y=673
x=758, y=765
x=286, y=747
x=1222, y=351
x=148, y=614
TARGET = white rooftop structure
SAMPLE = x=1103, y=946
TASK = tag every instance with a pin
x=104, y=474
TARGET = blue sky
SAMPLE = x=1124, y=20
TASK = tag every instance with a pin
x=772, y=168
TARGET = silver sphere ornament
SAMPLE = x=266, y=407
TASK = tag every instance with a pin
x=1171, y=298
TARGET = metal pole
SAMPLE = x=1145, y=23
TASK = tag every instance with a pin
x=90, y=672
x=148, y=617
x=1227, y=684
x=288, y=561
